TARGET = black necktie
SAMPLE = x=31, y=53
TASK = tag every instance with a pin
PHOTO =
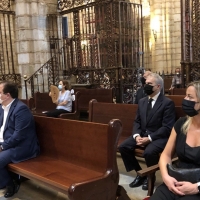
x=149, y=106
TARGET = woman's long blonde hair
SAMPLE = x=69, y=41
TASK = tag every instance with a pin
x=186, y=125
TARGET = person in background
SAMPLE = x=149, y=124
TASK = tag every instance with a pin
x=140, y=92
x=18, y=140
x=184, y=141
x=152, y=126
x=176, y=80
x=64, y=101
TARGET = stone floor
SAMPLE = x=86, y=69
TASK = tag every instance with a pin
x=31, y=190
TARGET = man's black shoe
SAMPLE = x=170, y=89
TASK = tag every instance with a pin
x=137, y=181
x=12, y=188
x=145, y=184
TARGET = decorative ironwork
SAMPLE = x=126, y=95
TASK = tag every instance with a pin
x=16, y=78
x=190, y=40
x=5, y=4
x=69, y=4
x=101, y=47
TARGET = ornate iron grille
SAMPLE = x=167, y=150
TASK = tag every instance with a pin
x=102, y=46
x=190, y=39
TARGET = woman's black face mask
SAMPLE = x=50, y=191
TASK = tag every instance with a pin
x=188, y=108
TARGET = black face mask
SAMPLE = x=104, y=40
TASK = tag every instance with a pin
x=148, y=89
x=188, y=108
x=143, y=80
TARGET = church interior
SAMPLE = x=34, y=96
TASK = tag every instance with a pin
x=97, y=44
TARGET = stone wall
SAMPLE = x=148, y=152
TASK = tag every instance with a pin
x=164, y=17
x=32, y=46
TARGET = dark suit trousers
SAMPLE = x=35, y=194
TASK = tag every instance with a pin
x=5, y=175
x=127, y=148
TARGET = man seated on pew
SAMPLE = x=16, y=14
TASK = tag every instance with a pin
x=140, y=92
x=18, y=140
x=152, y=126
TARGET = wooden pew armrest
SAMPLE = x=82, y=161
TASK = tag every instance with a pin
x=149, y=170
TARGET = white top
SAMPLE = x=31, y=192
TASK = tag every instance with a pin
x=66, y=96
x=6, y=111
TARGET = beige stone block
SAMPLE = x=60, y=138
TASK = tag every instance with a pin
x=52, y=9
x=177, y=10
x=177, y=17
x=177, y=44
x=23, y=58
x=23, y=22
x=158, y=57
x=24, y=47
x=24, y=34
x=39, y=34
x=41, y=57
x=34, y=8
x=22, y=8
x=38, y=22
x=42, y=8
x=41, y=46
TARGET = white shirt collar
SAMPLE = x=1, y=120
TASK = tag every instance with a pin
x=8, y=106
x=155, y=97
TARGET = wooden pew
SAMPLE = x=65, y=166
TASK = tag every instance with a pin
x=167, y=84
x=85, y=95
x=77, y=158
x=177, y=99
x=29, y=102
x=43, y=102
x=150, y=171
x=178, y=91
x=103, y=112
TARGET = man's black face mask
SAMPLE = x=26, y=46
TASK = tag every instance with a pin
x=148, y=89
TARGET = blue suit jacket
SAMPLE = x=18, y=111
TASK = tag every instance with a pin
x=19, y=132
x=159, y=122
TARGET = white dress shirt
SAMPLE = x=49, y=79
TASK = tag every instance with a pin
x=6, y=111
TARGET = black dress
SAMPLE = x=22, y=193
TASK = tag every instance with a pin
x=189, y=157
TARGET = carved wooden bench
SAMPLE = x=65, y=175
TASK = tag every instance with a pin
x=83, y=98
x=77, y=158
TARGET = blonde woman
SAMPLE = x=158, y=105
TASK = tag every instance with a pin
x=185, y=142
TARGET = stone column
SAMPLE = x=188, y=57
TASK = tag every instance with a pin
x=166, y=50
x=32, y=46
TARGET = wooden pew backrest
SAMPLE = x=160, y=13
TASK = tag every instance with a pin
x=77, y=158
x=178, y=91
x=104, y=112
x=43, y=102
x=177, y=99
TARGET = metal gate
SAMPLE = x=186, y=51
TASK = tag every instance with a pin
x=7, y=55
x=190, y=59
x=104, y=45
x=101, y=45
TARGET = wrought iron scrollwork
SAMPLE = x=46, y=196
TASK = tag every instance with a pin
x=5, y=4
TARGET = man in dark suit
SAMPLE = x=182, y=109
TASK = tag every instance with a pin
x=140, y=92
x=152, y=126
x=18, y=140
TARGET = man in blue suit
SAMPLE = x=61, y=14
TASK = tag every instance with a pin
x=18, y=140
x=152, y=126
